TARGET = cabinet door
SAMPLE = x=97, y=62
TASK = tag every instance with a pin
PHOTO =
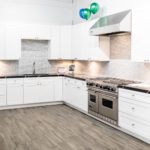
x=2, y=40
x=84, y=100
x=14, y=91
x=13, y=43
x=140, y=35
x=35, y=32
x=54, y=44
x=2, y=92
x=65, y=41
x=45, y=90
x=76, y=46
x=30, y=90
x=58, y=89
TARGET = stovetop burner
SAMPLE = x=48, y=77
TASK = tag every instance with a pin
x=107, y=84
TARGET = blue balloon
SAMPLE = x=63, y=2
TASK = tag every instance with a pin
x=80, y=13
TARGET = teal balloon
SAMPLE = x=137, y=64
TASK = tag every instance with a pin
x=94, y=7
x=86, y=13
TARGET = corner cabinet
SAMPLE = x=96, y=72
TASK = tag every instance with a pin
x=87, y=47
x=140, y=45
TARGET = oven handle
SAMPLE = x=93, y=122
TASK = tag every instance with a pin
x=107, y=96
x=92, y=91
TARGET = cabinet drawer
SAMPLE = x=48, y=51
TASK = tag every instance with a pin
x=137, y=96
x=15, y=81
x=140, y=111
x=133, y=126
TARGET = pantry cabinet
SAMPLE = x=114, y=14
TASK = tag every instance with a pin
x=134, y=112
x=140, y=44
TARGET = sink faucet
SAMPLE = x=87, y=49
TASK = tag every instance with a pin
x=33, y=68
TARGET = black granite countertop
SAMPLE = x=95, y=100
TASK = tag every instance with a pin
x=139, y=87
x=135, y=87
x=75, y=76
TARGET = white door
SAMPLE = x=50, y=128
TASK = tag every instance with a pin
x=58, y=85
x=13, y=43
x=14, y=91
x=140, y=44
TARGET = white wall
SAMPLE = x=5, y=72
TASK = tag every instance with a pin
x=107, y=6
x=36, y=11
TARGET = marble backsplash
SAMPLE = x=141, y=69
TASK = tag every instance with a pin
x=119, y=66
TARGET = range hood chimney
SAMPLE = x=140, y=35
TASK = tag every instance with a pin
x=113, y=24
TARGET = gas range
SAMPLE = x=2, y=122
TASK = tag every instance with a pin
x=103, y=98
x=107, y=84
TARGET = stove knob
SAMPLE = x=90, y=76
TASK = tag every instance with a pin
x=101, y=86
x=96, y=85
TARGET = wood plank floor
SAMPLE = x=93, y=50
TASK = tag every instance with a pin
x=60, y=128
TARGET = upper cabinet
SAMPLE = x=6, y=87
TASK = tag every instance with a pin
x=140, y=47
x=87, y=47
x=66, y=42
x=10, y=43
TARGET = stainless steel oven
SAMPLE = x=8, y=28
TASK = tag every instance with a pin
x=108, y=106
x=93, y=100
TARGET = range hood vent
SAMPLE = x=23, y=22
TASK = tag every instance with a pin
x=113, y=24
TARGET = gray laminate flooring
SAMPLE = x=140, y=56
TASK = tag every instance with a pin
x=60, y=128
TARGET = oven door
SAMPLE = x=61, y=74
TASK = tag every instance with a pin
x=93, y=101
x=108, y=106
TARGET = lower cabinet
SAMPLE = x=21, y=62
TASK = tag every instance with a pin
x=58, y=89
x=38, y=90
x=14, y=91
x=134, y=112
x=75, y=93
x=2, y=92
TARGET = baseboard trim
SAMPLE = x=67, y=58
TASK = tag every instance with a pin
x=31, y=105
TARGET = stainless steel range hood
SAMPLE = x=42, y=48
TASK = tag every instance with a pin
x=113, y=24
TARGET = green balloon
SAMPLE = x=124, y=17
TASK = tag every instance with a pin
x=94, y=7
x=86, y=13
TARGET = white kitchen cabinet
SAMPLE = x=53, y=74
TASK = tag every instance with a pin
x=75, y=93
x=65, y=41
x=87, y=47
x=54, y=44
x=38, y=90
x=58, y=89
x=134, y=112
x=14, y=91
x=140, y=44
x=45, y=89
x=35, y=32
x=2, y=92
x=12, y=43
x=2, y=40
